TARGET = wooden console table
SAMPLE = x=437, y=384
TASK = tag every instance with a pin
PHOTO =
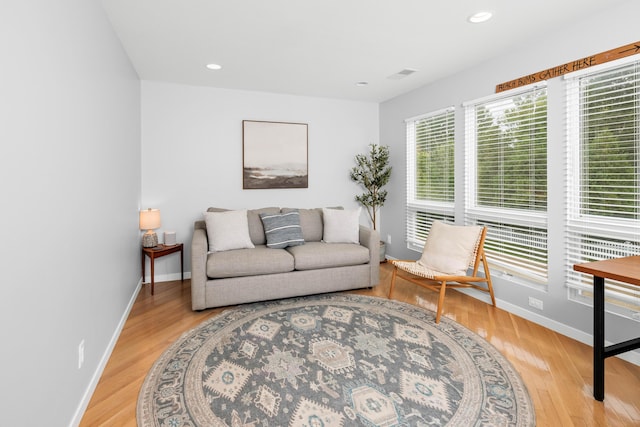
x=160, y=251
x=625, y=270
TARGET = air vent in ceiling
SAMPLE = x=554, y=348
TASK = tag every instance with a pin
x=402, y=74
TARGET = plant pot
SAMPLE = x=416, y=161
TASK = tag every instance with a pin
x=383, y=249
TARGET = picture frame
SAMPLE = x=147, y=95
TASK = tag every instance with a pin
x=274, y=155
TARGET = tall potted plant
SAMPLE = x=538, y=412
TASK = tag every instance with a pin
x=372, y=172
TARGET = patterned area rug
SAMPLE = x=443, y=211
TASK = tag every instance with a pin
x=332, y=360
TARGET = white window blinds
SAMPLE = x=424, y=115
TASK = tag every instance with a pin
x=506, y=174
x=603, y=178
x=430, y=173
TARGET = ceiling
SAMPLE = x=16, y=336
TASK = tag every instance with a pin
x=322, y=48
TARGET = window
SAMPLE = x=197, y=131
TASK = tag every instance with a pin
x=430, y=173
x=603, y=177
x=506, y=176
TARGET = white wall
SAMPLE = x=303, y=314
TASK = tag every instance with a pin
x=69, y=180
x=590, y=35
x=192, y=153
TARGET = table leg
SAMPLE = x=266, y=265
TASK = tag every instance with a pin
x=143, y=262
x=181, y=265
x=598, y=338
x=152, y=274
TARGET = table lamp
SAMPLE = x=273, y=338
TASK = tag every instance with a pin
x=149, y=220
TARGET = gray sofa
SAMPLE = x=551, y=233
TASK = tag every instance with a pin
x=237, y=276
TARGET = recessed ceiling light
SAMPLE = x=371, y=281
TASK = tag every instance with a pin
x=214, y=66
x=482, y=16
x=362, y=83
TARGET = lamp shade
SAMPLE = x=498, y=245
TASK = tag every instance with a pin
x=149, y=219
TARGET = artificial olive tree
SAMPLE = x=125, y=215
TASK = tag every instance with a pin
x=372, y=172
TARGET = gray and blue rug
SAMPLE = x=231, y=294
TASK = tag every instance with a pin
x=332, y=360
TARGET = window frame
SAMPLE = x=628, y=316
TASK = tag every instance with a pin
x=504, y=222
x=420, y=213
x=588, y=236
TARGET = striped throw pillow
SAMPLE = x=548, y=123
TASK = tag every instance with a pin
x=282, y=230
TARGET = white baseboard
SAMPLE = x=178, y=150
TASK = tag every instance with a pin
x=86, y=398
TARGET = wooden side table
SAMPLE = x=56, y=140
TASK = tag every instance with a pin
x=160, y=251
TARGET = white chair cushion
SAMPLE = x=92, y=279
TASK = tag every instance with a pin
x=450, y=249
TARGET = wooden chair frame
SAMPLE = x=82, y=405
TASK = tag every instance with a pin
x=440, y=283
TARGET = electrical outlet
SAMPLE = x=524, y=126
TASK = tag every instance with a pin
x=80, y=354
x=536, y=303
x=389, y=238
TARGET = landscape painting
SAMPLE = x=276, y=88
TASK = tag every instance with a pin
x=275, y=155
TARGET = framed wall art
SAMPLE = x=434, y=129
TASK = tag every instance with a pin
x=274, y=155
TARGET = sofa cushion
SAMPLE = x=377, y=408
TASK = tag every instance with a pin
x=256, y=228
x=310, y=222
x=341, y=226
x=314, y=255
x=282, y=229
x=248, y=262
x=256, y=231
x=227, y=230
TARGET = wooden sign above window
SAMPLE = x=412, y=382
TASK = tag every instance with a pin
x=569, y=67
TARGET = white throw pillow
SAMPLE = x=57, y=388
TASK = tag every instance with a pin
x=341, y=226
x=227, y=230
x=450, y=248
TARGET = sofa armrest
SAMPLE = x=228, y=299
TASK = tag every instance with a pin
x=199, y=249
x=370, y=239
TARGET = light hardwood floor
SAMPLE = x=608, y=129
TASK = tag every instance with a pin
x=557, y=370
